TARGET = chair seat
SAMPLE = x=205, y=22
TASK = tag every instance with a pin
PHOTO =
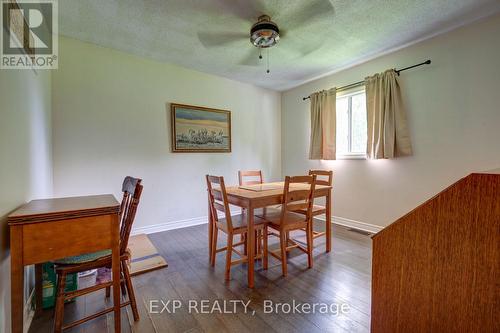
x=83, y=258
x=91, y=257
x=316, y=210
x=292, y=220
x=240, y=223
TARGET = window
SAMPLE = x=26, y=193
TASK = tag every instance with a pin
x=351, y=125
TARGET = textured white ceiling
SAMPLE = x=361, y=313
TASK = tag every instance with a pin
x=320, y=36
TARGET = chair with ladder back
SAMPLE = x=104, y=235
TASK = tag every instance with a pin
x=250, y=177
x=132, y=190
x=245, y=178
x=323, y=177
x=298, y=194
x=231, y=225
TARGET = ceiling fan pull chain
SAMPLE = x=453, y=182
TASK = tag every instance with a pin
x=267, y=61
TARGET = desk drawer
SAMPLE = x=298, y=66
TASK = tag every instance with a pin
x=58, y=239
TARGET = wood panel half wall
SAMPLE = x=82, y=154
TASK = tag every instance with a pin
x=437, y=268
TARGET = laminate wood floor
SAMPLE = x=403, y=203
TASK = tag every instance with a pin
x=341, y=278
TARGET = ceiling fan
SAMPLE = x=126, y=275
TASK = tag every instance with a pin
x=296, y=16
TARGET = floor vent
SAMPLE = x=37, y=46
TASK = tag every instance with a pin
x=362, y=232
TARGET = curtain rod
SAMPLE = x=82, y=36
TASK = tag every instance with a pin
x=359, y=83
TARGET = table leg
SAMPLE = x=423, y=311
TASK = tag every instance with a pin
x=251, y=246
x=328, y=221
x=16, y=278
x=115, y=267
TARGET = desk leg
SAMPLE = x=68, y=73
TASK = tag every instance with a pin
x=17, y=278
x=328, y=221
x=251, y=246
x=115, y=266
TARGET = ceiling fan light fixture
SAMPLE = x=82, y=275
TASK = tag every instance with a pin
x=265, y=33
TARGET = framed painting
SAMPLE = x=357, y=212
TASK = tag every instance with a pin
x=197, y=129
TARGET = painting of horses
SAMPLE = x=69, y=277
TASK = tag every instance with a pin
x=200, y=129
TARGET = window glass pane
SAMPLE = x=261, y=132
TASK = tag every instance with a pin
x=342, y=125
x=359, y=126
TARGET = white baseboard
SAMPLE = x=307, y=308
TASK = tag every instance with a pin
x=372, y=228
x=150, y=229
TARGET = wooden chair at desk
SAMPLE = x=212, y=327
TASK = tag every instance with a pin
x=132, y=190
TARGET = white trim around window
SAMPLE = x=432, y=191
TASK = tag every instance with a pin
x=349, y=155
x=352, y=156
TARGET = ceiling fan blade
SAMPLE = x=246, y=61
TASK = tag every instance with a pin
x=215, y=39
x=300, y=47
x=244, y=9
x=312, y=12
x=308, y=48
x=252, y=58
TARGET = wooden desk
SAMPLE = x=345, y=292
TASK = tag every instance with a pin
x=45, y=230
x=272, y=194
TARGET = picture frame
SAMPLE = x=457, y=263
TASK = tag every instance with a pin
x=197, y=129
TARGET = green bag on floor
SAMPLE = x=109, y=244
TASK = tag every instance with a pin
x=49, y=284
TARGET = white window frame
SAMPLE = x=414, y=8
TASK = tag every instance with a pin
x=349, y=93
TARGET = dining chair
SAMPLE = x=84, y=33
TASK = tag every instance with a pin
x=323, y=177
x=250, y=177
x=231, y=225
x=296, y=196
x=132, y=190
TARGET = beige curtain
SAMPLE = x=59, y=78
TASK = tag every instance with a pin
x=323, y=125
x=388, y=135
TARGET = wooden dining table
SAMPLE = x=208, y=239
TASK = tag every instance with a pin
x=253, y=197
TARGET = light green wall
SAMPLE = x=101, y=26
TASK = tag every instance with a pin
x=25, y=157
x=111, y=118
x=454, y=120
